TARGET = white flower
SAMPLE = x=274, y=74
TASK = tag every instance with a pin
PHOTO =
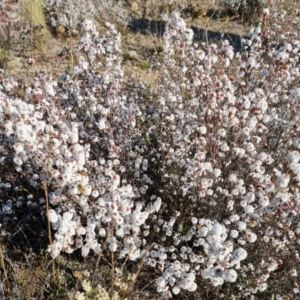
x=283, y=180
x=293, y=273
x=194, y=221
x=102, y=124
x=157, y=204
x=202, y=129
x=188, y=35
x=202, y=232
x=53, y=217
x=176, y=290
x=234, y=233
x=241, y=225
x=79, y=296
x=216, y=281
x=193, y=287
x=172, y=249
x=81, y=230
x=272, y=266
x=95, y=193
x=87, y=190
x=217, y=172
x=73, y=190
x=86, y=285
x=18, y=161
x=230, y=275
x=87, y=25
x=263, y=201
x=160, y=282
x=243, y=203
x=68, y=215
x=49, y=88
x=250, y=236
x=30, y=61
x=239, y=254
x=18, y=147
x=266, y=11
x=269, y=231
x=183, y=249
x=249, y=209
x=85, y=250
x=102, y=232
x=55, y=249
x=206, y=273
x=230, y=205
x=217, y=229
x=232, y=178
x=179, y=23
x=262, y=287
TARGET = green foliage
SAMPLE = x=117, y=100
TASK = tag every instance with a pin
x=2, y=57
x=2, y=54
x=159, y=50
x=273, y=297
x=145, y=64
x=64, y=52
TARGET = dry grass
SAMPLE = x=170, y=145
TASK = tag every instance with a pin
x=32, y=11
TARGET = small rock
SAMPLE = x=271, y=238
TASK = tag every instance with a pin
x=131, y=54
x=134, y=6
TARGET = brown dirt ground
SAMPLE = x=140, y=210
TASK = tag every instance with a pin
x=137, y=47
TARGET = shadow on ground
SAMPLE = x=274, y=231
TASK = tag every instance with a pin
x=157, y=28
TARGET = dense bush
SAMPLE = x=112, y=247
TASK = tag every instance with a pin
x=196, y=176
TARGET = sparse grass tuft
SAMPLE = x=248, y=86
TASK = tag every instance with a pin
x=2, y=57
x=145, y=64
x=32, y=10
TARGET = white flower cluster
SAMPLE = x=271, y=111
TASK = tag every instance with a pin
x=236, y=4
x=177, y=276
x=188, y=176
x=72, y=14
x=233, y=4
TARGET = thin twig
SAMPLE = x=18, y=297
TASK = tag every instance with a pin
x=2, y=262
x=48, y=221
x=123, y=265
x=134, y=278
x=100, y=256
x=112, y=261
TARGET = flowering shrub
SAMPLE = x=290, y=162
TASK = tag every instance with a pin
x=71, y=14
x=249, y=10
x=197, y=176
